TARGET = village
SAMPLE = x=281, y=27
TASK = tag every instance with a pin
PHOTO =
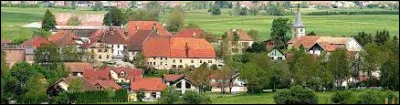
x=144, y=61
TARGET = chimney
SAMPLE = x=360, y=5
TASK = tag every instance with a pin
x=187, y=49
x=194, y=34
x=154, y=26
x=137, y=26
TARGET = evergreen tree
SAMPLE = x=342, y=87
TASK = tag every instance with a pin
x=49, y=21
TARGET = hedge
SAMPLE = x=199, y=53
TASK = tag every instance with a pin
x=354, y=13
x=99, y=96
x=121, y=95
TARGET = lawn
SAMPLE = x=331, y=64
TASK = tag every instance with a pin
x=12, y=20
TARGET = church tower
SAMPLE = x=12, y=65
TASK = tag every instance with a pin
x=298, y=29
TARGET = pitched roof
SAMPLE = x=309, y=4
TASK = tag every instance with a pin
x=135, y=41
x=106, y=84
x=64, y=37
x=189, y=32
x=35, y=42
x=172, y=77
x=180, y=47
x=87, y=84
x=78, y=66
x=110, y=36
x=134, y=26
x=104, y=73
x=148, y=84
x=325, y=46
x=243, y=36
x=306, y=41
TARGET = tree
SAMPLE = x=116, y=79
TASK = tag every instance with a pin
x=311, y=34
x=153, y=9
x=35, y=89
x=133, y=4
x=338, y=65
x=41, y=32
x=296, y=95
x=371, y=97
x=390, y=68
x=200, y=77
x=279, y=30
x=175, y=20
x=70, y=54
x=47, y=55
x=363, y=38
x=381, y=37
x=243, y=11
x=114, y=18
x=322, y=72
x=49, y=21
x=4, y=66
x=98, y=6
x=236, y=9
x=287, y=5
x=304, y=4
x=278, y=74
x=224, y=77
x=139, y=60
x=208, y=36
x=254, y=10
x=169, y=96
x=74, y=21
x=76, y=85
x=215, y=10
x=255, y=72
x=277, y=10
x=256, y=47
x=371, y=59
x=191, y=97
x=140, y=95
x=193, y=25
x=18, y=41
x=18, y=78
x=305, y=70
x=253, y=34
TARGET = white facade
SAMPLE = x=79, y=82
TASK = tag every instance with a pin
x=116, y=78
x=298, y=32
x=353, y=45
x=235, y=88
x=168, y=63
x=183, y=85
x=149, y=96
x=118, y=50
x=276, y=55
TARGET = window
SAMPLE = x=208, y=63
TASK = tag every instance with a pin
x=112, y=46
x=209, y=61
x=99, y=50
x=272, y=58
x=118, y=46
x=105, y=50
x=99, y=56
x=154, y=63
x=179, y=85
x=160, y=63
x=153, y=94
x=301, y=30
x=173, y=60
x=166, y=58
x=180, y=66
x=279, y=58
x=180, y=61
x=201, y=61
x=92, y=50
x=108, y=56
x=154, y=58
x=192, y=61
x=191, y=66
x=92, y=56
x=187, y=86
x=173, y=66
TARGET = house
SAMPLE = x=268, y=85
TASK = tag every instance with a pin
x=5, y=42
x=134, y=26
x=318, y=44
x=189, y=32
x=177, y=52
x=320, y=3
x=13, y=54
x=244, y=41
x=237, y=84
x=66, y=38
x=98, y=49
x=180, y=82
x=122, y=4
x=136, y=41
x=117, y=74
x=344, y=4
x=63, y=84
x=78, y=68
x=152, y=88
x=35, y=42
x=276, y=54
x=114, y=38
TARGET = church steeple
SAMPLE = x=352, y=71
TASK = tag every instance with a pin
x=298, y=28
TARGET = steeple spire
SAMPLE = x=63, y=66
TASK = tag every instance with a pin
x=298, y=22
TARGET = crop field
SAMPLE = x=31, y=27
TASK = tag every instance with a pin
x=12, y=20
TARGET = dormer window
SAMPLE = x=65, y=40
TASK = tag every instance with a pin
x=122, y=74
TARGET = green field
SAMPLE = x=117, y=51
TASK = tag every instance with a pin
x=264, y=98
x=330, y=25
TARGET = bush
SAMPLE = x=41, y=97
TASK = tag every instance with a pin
x=121, y=95
x=371, y=97
x=191, y=97
x=343, y=97
x=296, y=95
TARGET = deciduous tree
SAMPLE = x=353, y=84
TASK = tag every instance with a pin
x=338, y=65
x=279, y=30
x=175, y=20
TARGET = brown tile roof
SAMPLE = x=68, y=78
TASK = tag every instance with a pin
x=179, y=47
x=108, y=36
x=135, y=41
x=306, y=41
x=104, y=73
x=172, y=77
x=326, y=46
x=78, y=66
x=134, y=26
x=148, y=84
x=189, y=32
x=35, y=42
x=243, y=36
x=106, y=84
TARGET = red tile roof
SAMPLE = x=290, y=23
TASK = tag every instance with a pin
x=35, y=42
x=148, y=84
x=134, y=26
x=111, y=36
x=243, y=36
x=306, y=41
x=172, y=77
x=78, y=66
x=189, y=32
x=135, y=41
x=106, y=84
x=64, y=37
x=326, y=46
x=179, y=47
x=104, y=73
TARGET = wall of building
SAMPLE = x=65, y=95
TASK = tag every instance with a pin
x=118, y=50
x=167, y=63
x=14, y=55
x=105, y=52
x=183, y=88
x=352, y=45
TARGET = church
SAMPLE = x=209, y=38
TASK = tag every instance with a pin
x=319, y=44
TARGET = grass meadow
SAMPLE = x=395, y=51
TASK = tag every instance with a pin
x=12, y=20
